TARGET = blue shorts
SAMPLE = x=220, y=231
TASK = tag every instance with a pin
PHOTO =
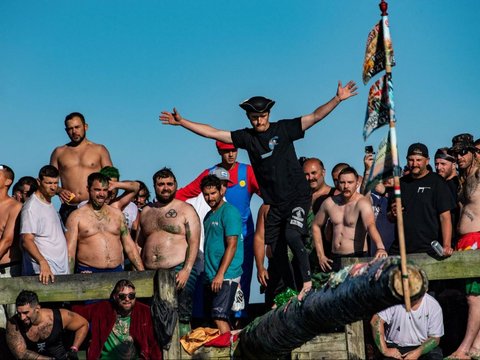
x=223, y=300
x=87, y=269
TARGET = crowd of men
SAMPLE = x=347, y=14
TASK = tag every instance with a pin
x=205, y=232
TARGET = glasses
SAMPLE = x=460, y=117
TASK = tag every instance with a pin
x=122, y=296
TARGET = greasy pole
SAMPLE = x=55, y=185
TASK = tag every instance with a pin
x=398, y=199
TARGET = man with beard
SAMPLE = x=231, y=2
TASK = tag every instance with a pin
x=121, y=327
x=464, y=150
x=97, y=234
x=36, y=333
x=427, y=203
x=169, y=237
x=75, y=161
x=352, y=218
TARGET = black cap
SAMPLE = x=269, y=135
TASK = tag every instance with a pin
x=444, y=154
x=258, y=104
x=462, y=141
x=418, y=149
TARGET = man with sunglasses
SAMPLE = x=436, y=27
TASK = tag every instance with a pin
x=464, y=150
x=120, y=327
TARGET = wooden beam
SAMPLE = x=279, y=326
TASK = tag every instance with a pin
x=76, y=287
x=461, y=265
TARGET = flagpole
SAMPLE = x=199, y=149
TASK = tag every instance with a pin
x=396, y=172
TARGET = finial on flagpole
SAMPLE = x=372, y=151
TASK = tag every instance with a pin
x=384, y=7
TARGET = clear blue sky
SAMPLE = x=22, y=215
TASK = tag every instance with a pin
x=121, y=62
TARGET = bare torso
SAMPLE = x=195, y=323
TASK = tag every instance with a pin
x=470, y=199
x=75, y=163
x=9, y=215
x=164, y=230
x=98, y=240
x=349, y=233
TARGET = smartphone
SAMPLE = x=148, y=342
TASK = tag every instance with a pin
x=369, y=149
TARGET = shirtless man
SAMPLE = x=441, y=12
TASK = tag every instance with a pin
x=97, y=234
x=169, y=237
x=75, y=161
x=10, y=255
x=469, y=237
x=36, y=333
x=352, y=217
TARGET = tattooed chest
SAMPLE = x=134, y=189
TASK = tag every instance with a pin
x=40, y=333
x=168, y=221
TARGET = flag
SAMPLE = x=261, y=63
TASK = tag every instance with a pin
x=383, y=164
x=379, y=51
x=380, y=105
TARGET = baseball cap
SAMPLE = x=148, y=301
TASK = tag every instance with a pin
x=224, y=146
x=418, y=149
x=445, y=154
x=221, y=173
x=258, y=104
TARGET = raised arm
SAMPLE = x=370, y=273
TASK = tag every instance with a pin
x=192, y=235
x=130, y=189
x=321, y=112
x=174, y=118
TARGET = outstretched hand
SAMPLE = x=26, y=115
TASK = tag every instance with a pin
x=170, y=118
x=347, y=91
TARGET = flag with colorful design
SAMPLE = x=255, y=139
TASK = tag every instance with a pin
x=379, y=51
x=380, y=105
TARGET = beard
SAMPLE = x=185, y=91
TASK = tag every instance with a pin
x=165, y=198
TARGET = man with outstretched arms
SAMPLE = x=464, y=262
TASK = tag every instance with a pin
x=279, y=174
x=352, y=217
x=169, y=237
x=75, y=161
x=97, y=234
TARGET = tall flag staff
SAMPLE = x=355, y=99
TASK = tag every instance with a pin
x=380, y=111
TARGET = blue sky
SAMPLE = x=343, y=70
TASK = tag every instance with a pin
x=122, y=62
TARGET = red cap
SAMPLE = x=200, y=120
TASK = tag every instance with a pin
x=224, y=146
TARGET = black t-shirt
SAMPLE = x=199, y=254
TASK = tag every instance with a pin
x=423, y=201
x=274, y=161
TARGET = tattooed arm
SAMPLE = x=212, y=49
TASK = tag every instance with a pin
x=192, y=236
x=16, y=343
x=378, y=331
x=129, y=245
x=427, y=346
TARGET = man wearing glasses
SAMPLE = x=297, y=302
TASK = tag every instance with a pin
x=120, y=327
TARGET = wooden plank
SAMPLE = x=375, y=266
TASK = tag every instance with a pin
x=75, y=287
x=461, y=265
x=355, y=340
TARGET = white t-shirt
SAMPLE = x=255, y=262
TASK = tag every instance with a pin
x=42, y=220
x=414, y=328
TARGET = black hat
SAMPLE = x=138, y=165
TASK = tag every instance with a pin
x=418, y=149
x=444, y=154
x=462, y=141
x=258, y=104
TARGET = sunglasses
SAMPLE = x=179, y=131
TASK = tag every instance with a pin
x=122, y=296
x=461, y=152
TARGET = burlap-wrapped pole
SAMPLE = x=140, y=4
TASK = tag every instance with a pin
x=354, y=293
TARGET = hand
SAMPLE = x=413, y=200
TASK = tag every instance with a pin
x=170, y=118
x=262, y=276
x=72, y=355
x=380, y=253
x=217, y=283
x=412, y=355
x=349, y=90
x=393, y=209
x=182, y=278
x=66, y=196
x=45, y=273
x=325, y=263
x=368, y=161
x=447, y=251
x=392, y=353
